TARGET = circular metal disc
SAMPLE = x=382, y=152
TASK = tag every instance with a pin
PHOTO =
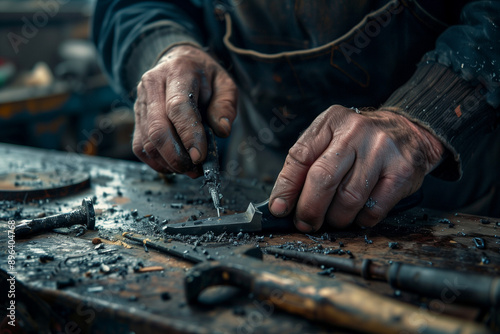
x=27, y=186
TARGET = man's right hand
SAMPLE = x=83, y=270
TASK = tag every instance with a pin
x=171, y=97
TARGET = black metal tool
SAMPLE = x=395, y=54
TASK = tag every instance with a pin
x=317, y=298
x=84, y=214
x=211, y=171
x=257, y=218
x=195, y=254
x=463, y=287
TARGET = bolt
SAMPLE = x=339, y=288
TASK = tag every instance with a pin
x=85, y=214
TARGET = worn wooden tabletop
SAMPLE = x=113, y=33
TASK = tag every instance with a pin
x=98, y=281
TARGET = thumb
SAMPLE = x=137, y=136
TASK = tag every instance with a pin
x=221, y=110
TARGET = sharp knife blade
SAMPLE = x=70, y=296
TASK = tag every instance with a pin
x=256, y=218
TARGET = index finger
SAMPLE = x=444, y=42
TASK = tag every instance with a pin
x=299, y=160
x=182, y=109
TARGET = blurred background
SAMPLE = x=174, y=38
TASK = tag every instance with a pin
x=52, y=92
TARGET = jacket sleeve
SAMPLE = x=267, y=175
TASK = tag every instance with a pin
x=131, y=34
x=455, y=91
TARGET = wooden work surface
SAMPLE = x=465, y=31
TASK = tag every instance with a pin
x=66, y=284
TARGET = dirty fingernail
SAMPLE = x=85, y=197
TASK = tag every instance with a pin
x=195, y=155
x=303, y=227
x=279, y=207
x=224, y=123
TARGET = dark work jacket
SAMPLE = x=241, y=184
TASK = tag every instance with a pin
x=293, y=59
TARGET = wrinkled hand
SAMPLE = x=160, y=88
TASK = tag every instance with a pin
x=350, y=167
x=168, y=134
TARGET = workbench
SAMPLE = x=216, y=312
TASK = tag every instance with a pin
x=82, y=281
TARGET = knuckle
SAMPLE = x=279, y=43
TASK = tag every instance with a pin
x=137, y=148
x=404, y=172
x=322, y=176
x=157, y=133
x=148, y=78
x=173, y=103
x=285, y=186
x=334, y=108
x=190, y=134
x=350, y=197
x=150, y=150
x=301, y=154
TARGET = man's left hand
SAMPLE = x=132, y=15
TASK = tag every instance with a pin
x=349, y=167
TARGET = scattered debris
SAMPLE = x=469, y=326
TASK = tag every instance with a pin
x=485, y=259
x=479, y=242
x=446, y=221
x=104, y=268
x=393, y=245
x=46, y=258
x=327, y=272
x=370, y=203
x=150, y=269
x=368, y=241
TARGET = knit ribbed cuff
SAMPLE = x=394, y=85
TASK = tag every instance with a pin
x=152, y=43
x=449, y=107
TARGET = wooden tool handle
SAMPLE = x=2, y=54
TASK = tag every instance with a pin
x=317, y=298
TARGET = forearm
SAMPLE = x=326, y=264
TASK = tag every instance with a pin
x=130, y=35
x=453, y=93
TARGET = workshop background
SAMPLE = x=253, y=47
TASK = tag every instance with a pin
x=52, y=92
x=96, y=245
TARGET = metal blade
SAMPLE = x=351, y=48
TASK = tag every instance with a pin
x=248, y=221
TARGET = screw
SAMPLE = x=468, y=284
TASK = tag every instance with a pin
x=85, y=214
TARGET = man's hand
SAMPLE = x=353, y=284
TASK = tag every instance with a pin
x=350, y=167
x=169, y=135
